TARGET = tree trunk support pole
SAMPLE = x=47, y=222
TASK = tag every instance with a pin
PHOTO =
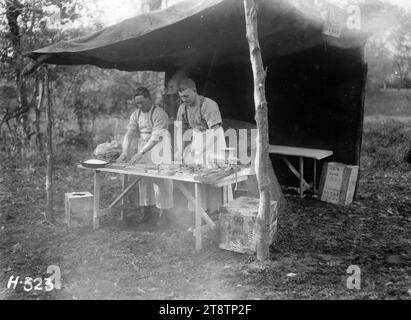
x=262, y=162
x=49, y=155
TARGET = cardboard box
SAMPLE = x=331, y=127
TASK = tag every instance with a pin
x=238, y=224
x=79, y=209
x=338, y=182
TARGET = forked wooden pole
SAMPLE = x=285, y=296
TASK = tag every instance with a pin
x=262, y=162
x=49, y=157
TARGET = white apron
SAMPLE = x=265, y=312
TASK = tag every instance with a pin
x=205, y=147
x=202, y=151
x=152, y=191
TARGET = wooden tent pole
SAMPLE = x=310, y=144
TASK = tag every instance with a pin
x=262, y=161
x=49, y=175
x=360, y=122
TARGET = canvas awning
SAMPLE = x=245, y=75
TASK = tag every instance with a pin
x=195, y=33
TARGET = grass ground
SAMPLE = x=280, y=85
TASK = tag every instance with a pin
x=391, y=103
x=317, y=243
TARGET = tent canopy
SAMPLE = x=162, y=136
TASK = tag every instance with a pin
x=315, y=83
x=198, y=33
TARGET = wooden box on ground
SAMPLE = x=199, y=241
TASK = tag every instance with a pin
x=238, y=221
x=338, y=182
x=79, y=209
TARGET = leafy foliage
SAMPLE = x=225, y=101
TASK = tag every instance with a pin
x=24, y=26
x=389, y=53
x=79, y=94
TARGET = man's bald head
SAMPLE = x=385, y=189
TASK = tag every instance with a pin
x=187, y=83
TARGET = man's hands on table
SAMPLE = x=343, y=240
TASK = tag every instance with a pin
x=137, y=158
x=122, y=158
x=134, y=160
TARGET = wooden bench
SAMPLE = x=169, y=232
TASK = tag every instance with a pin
x=301, y=153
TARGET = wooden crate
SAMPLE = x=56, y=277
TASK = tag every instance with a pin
x=238, y=224
x=79, y=209
x=338, y=182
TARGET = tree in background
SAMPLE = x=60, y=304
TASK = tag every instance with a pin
x=400, y=42
x=389, y=53
x=24, y=26
x=89, y=91
x=380, y=64
x=150, y=5
x=84, y=92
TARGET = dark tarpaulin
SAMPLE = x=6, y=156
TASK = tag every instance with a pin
x=193, y=33
x=315, y=84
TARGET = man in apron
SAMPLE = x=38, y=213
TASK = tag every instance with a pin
x=149, y=124
x=203, y=116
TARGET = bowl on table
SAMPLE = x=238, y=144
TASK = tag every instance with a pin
x=94, y=163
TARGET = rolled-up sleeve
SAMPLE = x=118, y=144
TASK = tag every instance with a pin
x=211, y=113
x=133, y=123
x=160, y=124
x=180, y=113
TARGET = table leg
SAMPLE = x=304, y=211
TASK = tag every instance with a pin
x=301, y=177
x=296, y=173
x=198, y=232
x=68, y=212
x=192, y=199
x=124, y=184
x=96, y=209
x=225, y=195
x=315, y=177
x=230, y=194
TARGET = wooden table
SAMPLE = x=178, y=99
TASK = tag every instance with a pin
x=301, y=153
x=200, y=213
